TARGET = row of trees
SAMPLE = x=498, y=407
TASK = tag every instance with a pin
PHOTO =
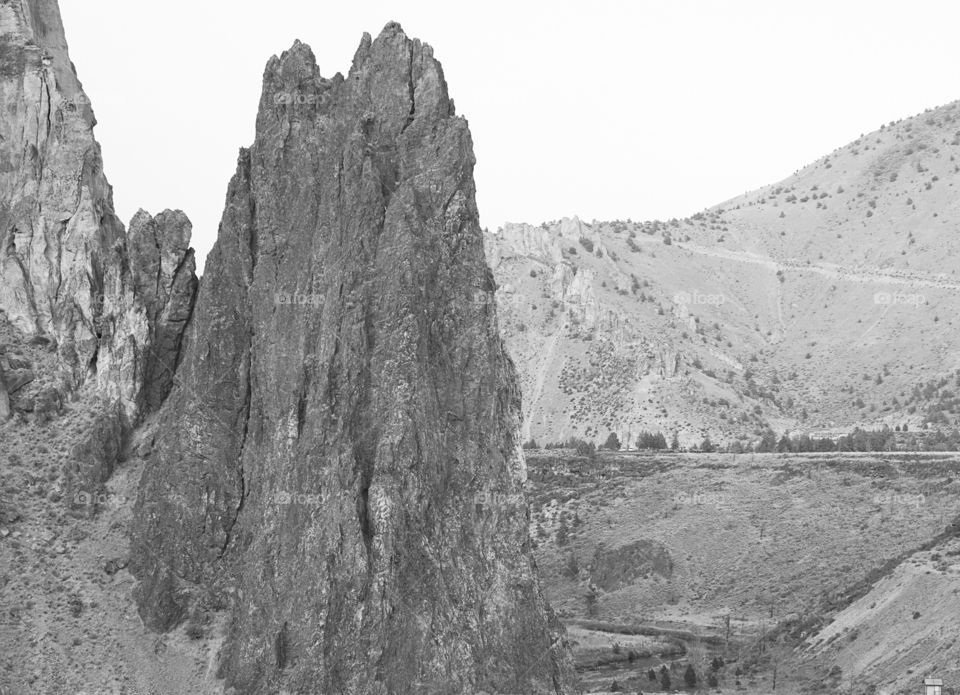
x=858, y=439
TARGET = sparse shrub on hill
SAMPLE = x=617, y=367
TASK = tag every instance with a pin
x=586, y=243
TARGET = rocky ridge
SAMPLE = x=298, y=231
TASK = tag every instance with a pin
x=67, y=275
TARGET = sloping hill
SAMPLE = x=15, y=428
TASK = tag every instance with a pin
x=818, y=303
x=904, y=629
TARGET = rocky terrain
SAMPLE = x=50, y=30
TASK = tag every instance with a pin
x=306, y=471
x=820, y=303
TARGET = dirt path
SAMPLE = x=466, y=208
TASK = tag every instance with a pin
x=862, y=275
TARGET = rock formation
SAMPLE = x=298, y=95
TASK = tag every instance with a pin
x=163, y=270
x=340, y=454
x=64, y=269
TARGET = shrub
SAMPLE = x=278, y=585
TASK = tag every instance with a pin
x=664, y=678
x=586, y=243
x=572, y=567
x=563, y=533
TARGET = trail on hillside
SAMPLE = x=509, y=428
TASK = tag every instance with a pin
x=863, y=275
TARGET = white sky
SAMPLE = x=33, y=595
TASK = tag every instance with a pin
x=602, y=109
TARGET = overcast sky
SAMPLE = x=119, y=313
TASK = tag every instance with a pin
x=599, y=109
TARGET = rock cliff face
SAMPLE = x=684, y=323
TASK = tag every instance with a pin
x=65, y=273
x=340, y=454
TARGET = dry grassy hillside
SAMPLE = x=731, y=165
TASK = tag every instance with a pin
x=822, y=302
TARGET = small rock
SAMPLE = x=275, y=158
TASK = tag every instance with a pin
x=114, y=565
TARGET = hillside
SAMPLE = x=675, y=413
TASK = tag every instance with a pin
x=815, y=304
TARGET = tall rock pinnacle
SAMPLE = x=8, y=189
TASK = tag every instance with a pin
x=340, y=456
x=65, y=273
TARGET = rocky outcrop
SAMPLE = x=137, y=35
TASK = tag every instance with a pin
x=92, y=461
x=64, y=269
x=340, y=455
x=164, y=277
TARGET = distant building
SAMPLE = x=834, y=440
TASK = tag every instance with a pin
x=932, y=686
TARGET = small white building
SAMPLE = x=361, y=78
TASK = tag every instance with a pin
x=932, y=686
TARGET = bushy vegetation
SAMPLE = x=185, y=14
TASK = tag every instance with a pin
x=649, y=440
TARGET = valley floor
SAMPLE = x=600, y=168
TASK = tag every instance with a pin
x=818, y=564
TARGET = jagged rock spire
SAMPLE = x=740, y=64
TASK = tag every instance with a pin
x=340, y=456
